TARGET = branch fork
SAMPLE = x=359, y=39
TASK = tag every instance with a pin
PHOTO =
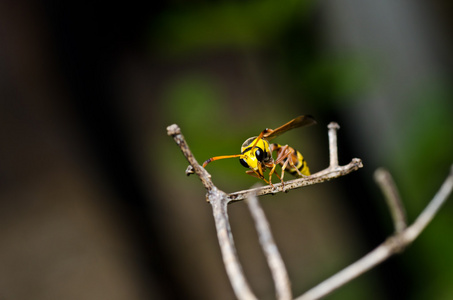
x=404, y=235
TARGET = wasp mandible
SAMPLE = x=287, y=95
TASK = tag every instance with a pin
x=256, y=153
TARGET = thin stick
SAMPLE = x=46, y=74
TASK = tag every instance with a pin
x=394, y=244
x=230, y=258
x=333, y=149
x=175, y=132
x=396, y=207
x=341, y=278
x=430, y=211
x=324, y=175
x=274, y=260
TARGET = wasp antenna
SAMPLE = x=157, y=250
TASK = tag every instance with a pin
x=311, y=118
x=207, y=162
x=219, y=157
x=258, y=138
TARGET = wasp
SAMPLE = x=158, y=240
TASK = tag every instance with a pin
x=256, y=153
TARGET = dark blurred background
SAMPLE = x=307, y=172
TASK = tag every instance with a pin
x=94, y=202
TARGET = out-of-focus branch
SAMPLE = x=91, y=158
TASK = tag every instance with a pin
x=396, y=207
x=274, y=260
x=233, y=267
x=412, y=232
x=394, y=244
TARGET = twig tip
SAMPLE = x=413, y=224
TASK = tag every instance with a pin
x=333, y=125
x=190, y=170
x=358, y=162
x=380, y=175
x=173, y=129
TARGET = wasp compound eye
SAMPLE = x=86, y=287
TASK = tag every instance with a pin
x=243, y=162
x=259, y=154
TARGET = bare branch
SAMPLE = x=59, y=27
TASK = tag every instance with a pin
x=333, y=149
x=324, y=175
x=233, y=267
x=205, y=177
x=430, y=211
x=394, y=244
x=388, y=187
x=344, y=276
x=274, y=260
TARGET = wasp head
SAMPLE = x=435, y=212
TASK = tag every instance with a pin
x=254, y=153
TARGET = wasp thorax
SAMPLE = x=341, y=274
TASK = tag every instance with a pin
x=248, y=142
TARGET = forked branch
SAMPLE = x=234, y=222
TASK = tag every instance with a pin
x=219, y=200
x=396, y=207
x=396, y=243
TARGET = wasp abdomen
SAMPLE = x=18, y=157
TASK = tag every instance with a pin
x=297, y=164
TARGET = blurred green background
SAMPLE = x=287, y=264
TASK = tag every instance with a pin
x=94, y=202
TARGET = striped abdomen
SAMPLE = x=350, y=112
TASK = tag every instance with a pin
x=298, y=166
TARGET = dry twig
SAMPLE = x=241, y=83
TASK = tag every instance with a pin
x=274, y=260
x=396, y=243
x=325, y=175
x=396, y=207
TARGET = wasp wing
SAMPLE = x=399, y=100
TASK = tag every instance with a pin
x=305, y=120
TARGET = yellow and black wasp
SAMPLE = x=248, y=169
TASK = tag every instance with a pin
x=256, y=153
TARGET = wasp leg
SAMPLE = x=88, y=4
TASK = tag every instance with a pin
x=283, y=154
x=271, y=173
x=280, y=178
x=297, y=170
x=252, y=173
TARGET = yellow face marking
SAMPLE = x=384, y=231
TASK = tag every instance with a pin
x=251, y=160
x=249, y=154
